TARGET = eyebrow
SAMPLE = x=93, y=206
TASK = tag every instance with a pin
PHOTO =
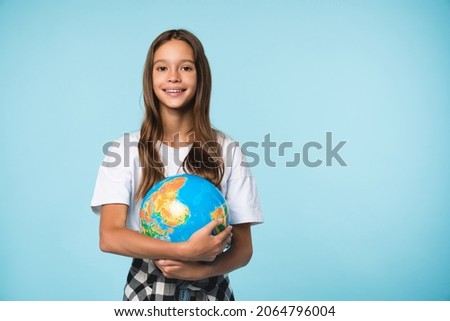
x=182, y=61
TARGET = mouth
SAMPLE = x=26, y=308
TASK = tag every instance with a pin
x=174, y=91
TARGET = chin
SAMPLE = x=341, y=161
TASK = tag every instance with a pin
x=179, y=106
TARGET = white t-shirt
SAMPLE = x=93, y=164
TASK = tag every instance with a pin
x=120, y=173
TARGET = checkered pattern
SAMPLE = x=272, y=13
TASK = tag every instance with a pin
x=145, y=282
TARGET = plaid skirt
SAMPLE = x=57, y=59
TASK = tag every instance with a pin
x=145, y=282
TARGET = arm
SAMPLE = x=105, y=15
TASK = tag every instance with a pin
x=236, y=257
x=116, y=238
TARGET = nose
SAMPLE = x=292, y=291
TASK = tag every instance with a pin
x=174, y=76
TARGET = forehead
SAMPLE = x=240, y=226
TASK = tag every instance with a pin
x=174, y=50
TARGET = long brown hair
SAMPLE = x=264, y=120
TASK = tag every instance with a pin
x=205, y=156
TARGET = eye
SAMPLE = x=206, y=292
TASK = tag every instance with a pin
x=187, y=68
x=161, y=68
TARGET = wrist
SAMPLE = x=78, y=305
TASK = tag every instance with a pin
x=208, y=269
x=181, y=251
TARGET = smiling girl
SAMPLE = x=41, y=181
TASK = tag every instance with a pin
x=176, y=136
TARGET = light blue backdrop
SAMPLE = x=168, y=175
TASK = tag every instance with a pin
x=374, y=73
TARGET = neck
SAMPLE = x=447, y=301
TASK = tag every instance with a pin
x=177, y=125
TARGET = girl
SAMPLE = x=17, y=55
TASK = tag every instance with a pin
x=176, y=137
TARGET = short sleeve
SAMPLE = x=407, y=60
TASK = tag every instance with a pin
x=242, y=194
x=113, y=184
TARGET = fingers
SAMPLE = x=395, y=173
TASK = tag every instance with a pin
x=166, y=263
x=226, y=244
x=225, y=235
x=166, y=266
x=224, y=238
x=204, y=245
x=223, y=241
x=213, y=225
x=161, y=265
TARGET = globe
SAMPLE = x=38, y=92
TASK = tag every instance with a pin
x=178, y=206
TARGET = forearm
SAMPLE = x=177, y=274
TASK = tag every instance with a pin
x=116, y=238
x=130, y=243
x=236, y=257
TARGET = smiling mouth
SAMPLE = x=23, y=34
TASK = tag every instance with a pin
x=174, y=91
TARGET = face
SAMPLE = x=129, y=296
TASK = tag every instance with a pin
x=174, y=75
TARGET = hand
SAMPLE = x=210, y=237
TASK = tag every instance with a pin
x=203, y=246
x=182, y=270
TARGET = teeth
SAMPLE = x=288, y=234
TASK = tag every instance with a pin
x=174, y=91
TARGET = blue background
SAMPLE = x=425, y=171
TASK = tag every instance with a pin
x=374, y=73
